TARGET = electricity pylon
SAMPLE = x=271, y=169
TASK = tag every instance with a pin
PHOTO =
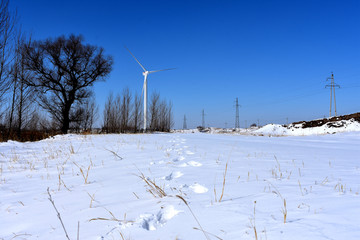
x=237, y=122
x=332, y=86
x=203, y=119
x=184, y=125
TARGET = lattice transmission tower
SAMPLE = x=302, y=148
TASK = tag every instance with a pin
x=203, y=119
x=184, y=124
x=237, y=121
x=332, y=87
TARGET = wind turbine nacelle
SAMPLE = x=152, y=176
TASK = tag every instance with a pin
x=145, y=73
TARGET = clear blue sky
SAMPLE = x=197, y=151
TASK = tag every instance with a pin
x=273, y=55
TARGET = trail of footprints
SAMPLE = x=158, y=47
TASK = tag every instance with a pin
x=181, y=151
x=152, y=221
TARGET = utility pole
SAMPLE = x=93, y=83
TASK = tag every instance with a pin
x=258, y=123
x=237, y=122
x=203, y=119
x=184, y=124
x=332, y=86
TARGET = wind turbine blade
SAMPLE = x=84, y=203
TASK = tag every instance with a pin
x=135, y=59
x=162, y=70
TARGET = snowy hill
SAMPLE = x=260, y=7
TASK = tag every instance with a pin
x=299, y=130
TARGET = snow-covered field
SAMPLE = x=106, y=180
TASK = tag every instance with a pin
x=107, y=184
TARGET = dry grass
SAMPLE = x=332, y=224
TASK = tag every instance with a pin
x=192, y=213
x=27, y=135
x=112, y=218
x=114, y=153
x=324, y=181
x=92, y=199
x=208, y=233
x=302, y=193
x=136, y=195
x=22, y=235
x=58, y=214
x=153, y=187
x=224, y=181
x=71, y=148
x=341, y=188
x=284, y=211
x=84, y=174
x=253, y=222
x=215, y=193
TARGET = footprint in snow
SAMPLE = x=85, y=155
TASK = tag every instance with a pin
x=151, y=222
x=197, y=188
x=191, y=163
x=173, y=175
x=194, y=164
x=181, y=158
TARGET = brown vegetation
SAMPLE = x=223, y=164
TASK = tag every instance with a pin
x=320, y=122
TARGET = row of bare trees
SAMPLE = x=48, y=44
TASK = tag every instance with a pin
x=123, y=113
x=17, y=108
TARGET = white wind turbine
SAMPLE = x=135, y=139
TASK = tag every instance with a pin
x=145, y=74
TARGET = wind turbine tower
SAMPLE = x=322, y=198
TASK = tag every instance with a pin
x=145, y=74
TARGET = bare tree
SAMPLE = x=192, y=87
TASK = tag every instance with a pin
x=7, y=30
x=170, y=118
x=136, y=114
x=125, y=110
x=165, y=119
x=39, y=121
x=84, y=115
x=21, y=106
x=64, y=70
x=123, y=113
x=106, y=113
x=160, y=114
x=91, y=114
x=154, y=111
x=112, y=114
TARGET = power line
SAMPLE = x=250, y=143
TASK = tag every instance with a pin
x=332, y=86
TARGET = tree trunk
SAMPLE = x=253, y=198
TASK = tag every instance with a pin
x=66, y=118
x=21, y=109
x=12, y=108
